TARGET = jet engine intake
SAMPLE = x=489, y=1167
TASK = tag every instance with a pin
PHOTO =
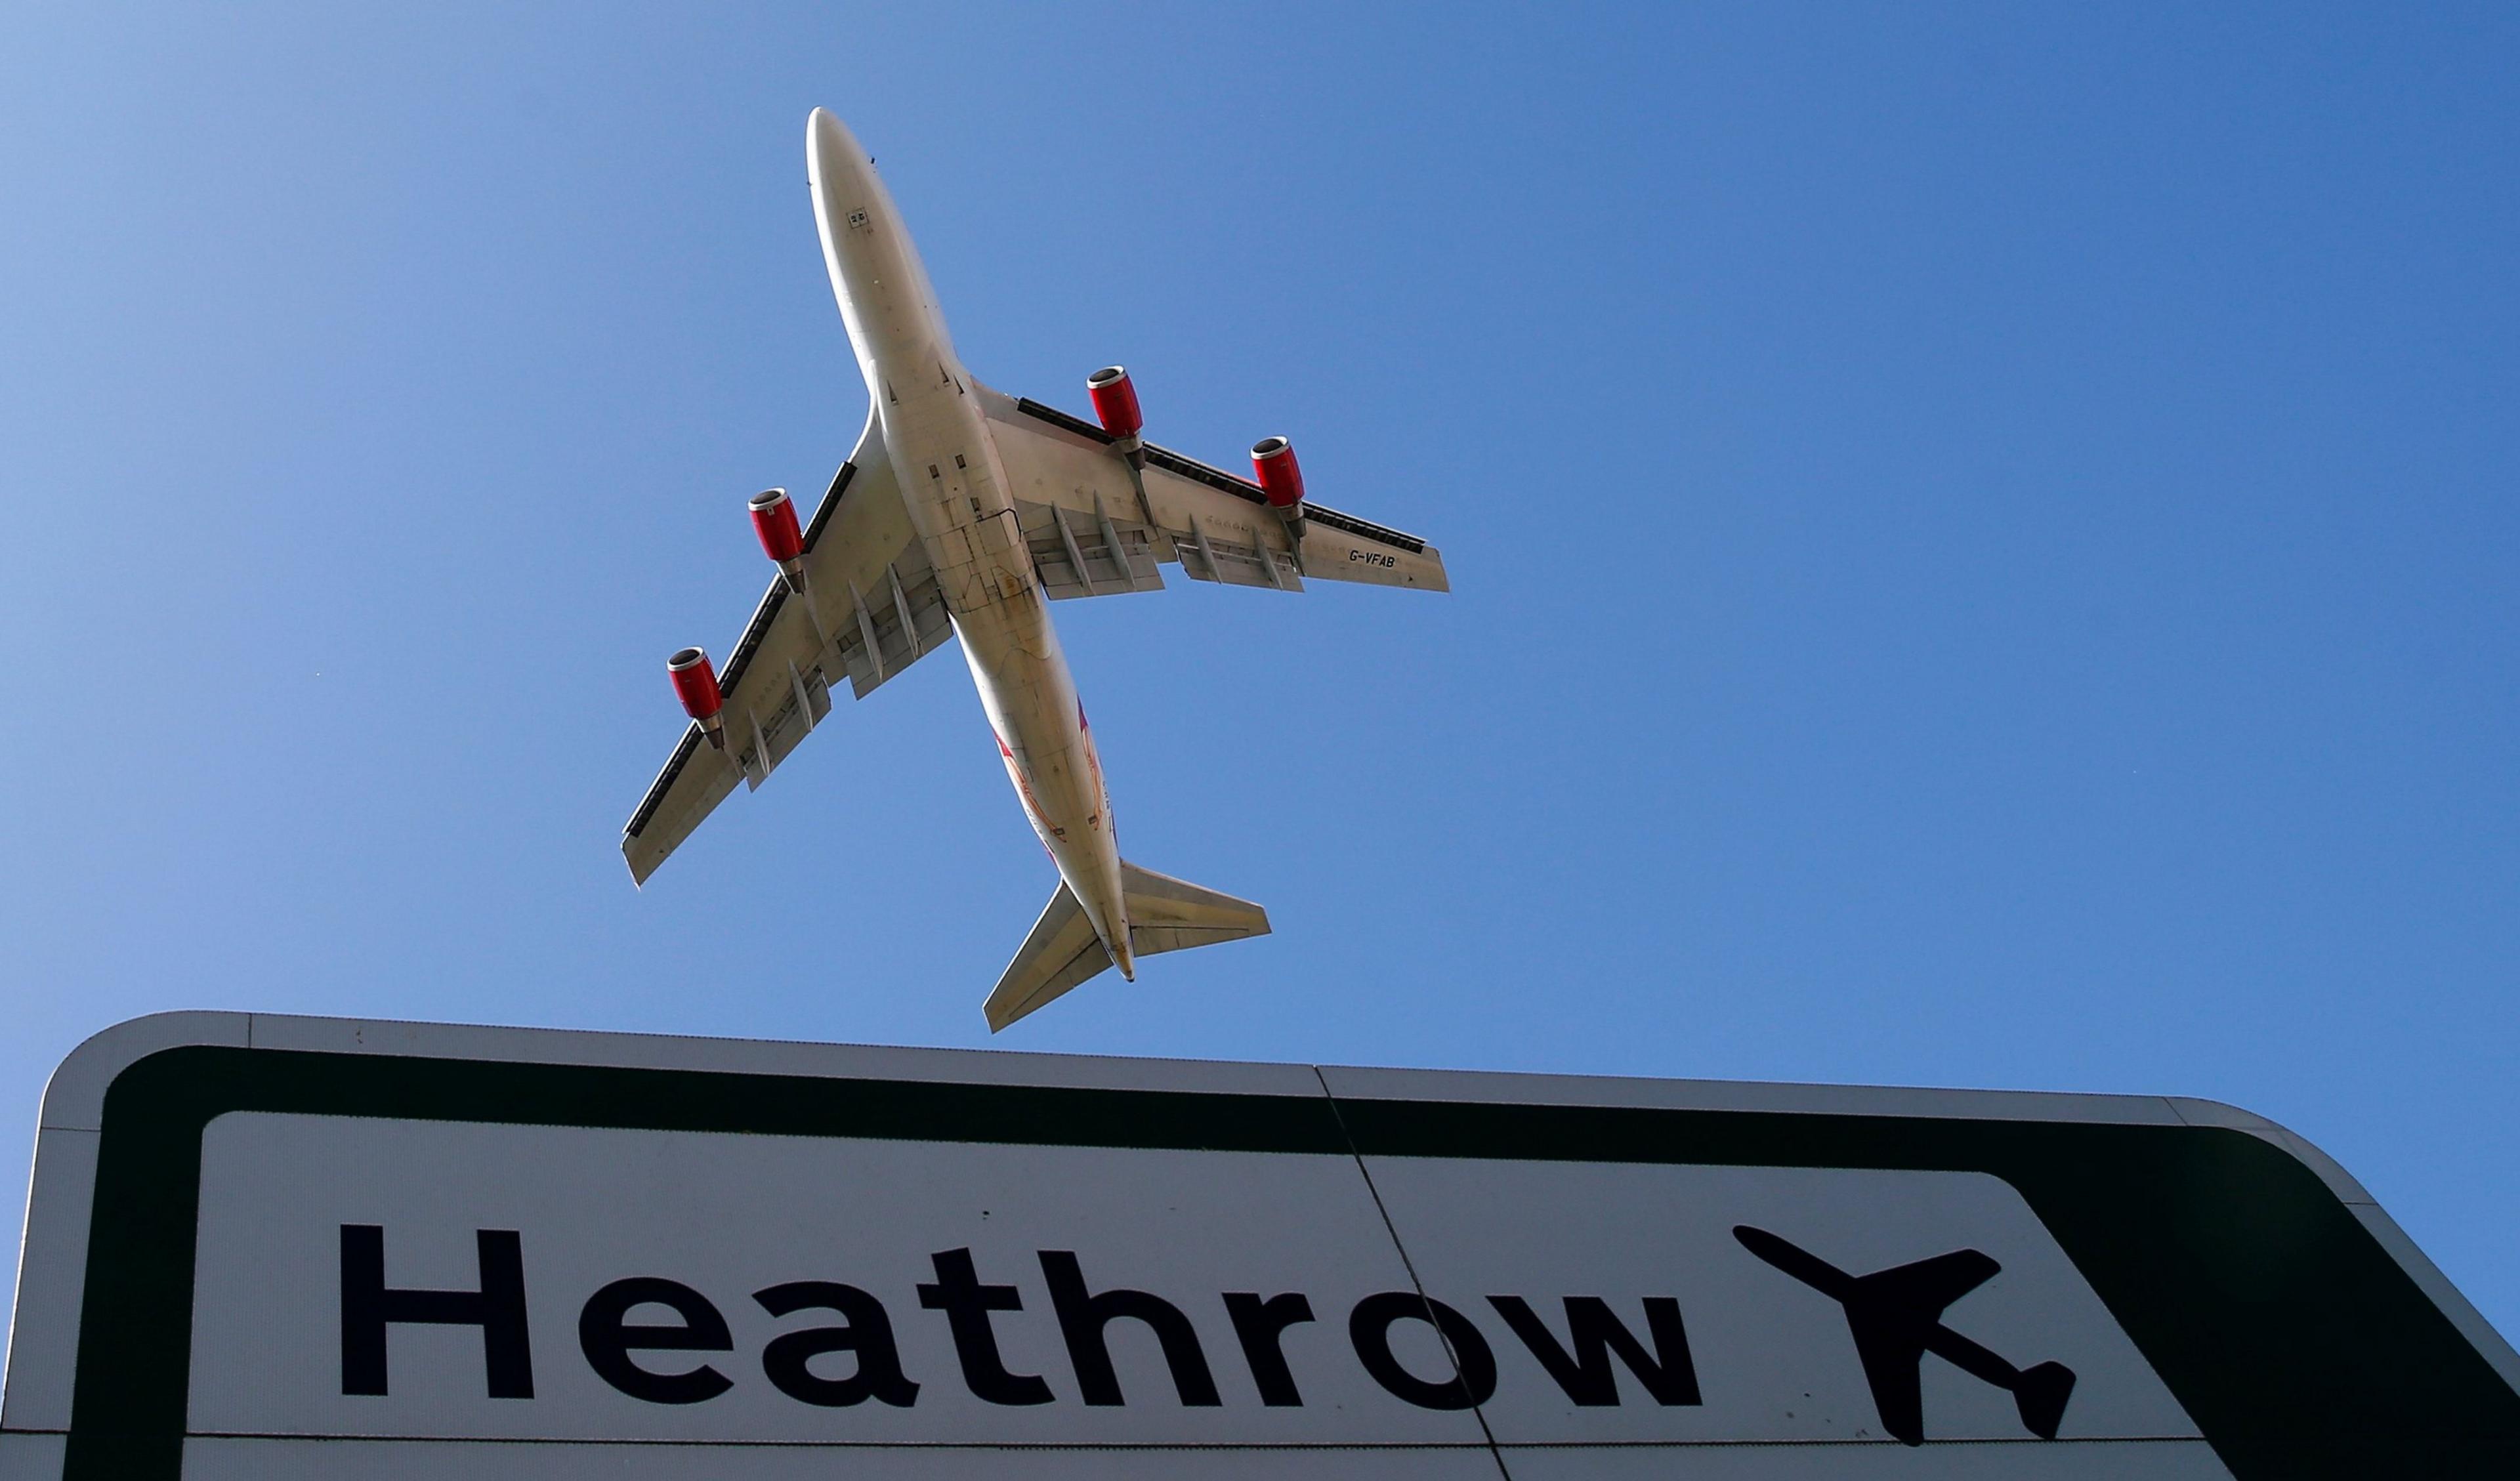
x=1274, y=469
x=696, y=685
x=1115, y=402
x=774, y=520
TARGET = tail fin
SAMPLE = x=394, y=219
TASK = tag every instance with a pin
x=1165, y=915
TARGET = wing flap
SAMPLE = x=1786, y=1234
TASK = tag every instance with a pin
x=765, y=740
x=902, y=619
x=1087, y=554
x=1240, y=557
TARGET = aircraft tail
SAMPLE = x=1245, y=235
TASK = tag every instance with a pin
x=1165, y=915
x=2041, y=1393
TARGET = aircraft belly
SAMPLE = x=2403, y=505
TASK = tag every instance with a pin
x=955, y=489
x=1047, y=750
x=1032, y=706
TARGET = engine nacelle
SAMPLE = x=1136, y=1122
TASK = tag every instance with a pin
x=774, y=520
x=1274, y=469
x=696, y=685
x=1115, y=402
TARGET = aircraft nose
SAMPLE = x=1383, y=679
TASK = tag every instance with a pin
x=828, y=143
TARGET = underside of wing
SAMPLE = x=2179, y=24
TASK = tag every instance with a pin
x=1100, y=523
x=869, y=608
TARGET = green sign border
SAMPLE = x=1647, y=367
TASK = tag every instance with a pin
x=2293, y=1339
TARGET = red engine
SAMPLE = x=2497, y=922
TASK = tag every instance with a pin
x=696, y=685
x=774, y=520
x=1274, y=468
x=1115, y=402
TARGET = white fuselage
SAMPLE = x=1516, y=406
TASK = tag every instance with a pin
x=956, y=488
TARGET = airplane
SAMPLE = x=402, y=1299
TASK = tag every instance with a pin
x=964, y=513
x=1895, y=1317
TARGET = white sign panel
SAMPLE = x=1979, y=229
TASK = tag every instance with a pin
x=977, y=1287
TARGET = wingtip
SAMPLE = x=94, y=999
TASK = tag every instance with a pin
x=1002, y=1015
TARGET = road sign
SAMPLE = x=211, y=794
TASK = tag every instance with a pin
x=278, y=1247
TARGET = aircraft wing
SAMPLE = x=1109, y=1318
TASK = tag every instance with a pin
x=1093, y=535
x=871, y=609
x=1918, y=1292
x=1894, y=1370
x=1892, y=1316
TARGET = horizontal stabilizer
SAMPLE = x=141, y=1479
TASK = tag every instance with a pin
x=1062, y=951
x=2040, y=1393
x=1169, y=915
x=1165, y=915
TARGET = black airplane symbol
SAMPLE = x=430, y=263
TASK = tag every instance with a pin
x=1895, y=1317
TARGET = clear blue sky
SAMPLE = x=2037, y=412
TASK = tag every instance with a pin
x=1984, y=535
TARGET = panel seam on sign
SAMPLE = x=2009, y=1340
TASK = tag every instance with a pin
x=1478, y=1412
